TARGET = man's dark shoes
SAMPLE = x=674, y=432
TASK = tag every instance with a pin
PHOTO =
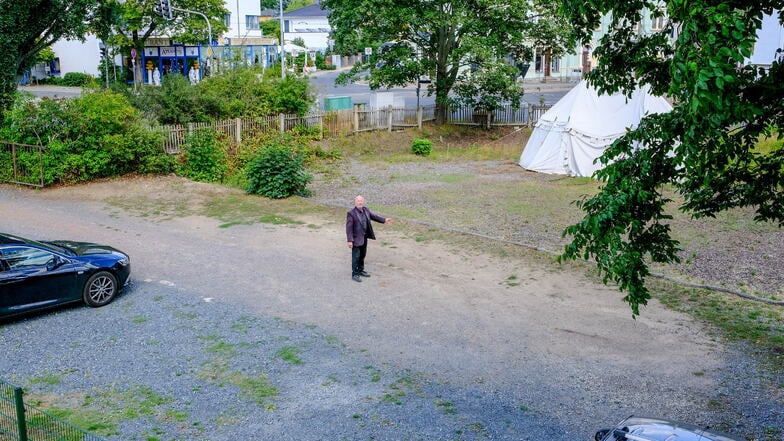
x=356, y=278
x=364, y=274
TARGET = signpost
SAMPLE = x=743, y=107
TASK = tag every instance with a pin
x=133, y=66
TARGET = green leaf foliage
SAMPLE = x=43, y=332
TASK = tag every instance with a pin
x=439, y=39
x=204, y=158
x=237, y=93
x=422, y=147
x=706, y=148
x=29, y=27
x=277, y=171
x=94, y=136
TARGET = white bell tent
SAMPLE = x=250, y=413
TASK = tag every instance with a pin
x=579, y=128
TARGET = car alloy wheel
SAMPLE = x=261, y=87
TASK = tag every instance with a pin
x=100, y=289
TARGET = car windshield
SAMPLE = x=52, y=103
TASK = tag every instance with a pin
x=54, y=247
x=652, y=429
x=44, y=245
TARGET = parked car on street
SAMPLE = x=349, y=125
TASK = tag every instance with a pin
x=655, y=429
x=38, y=275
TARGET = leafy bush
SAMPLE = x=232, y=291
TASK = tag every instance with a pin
x=243, y=92
x=204, y=159
x=176, y=101
x=277, y=172
x=422, y=147
x=96, y=135
x=78, y=79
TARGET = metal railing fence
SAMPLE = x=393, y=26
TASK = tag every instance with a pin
x=23, y=422
x=22, y=164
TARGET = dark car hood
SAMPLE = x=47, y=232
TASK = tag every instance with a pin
x=85, y=248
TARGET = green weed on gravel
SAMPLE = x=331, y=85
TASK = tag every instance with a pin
x=253, y=387
x=102, y=411
x=289, y=354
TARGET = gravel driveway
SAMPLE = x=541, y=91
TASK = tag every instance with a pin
x=257, y=332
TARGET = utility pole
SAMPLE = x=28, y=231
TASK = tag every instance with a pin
x=104, y=55
x=282, y=43
x=164, y=9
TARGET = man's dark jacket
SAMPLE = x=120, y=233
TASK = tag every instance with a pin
x=355, y=232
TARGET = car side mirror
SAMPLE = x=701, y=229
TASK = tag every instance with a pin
x=55, y=263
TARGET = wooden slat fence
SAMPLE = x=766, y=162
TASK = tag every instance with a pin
x=344, y=122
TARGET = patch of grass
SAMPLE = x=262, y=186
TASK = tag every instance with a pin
x=393, y=398
x=278, y=220
x=47, y=379
x=450, y=143
x=103, y=410
x=242, y=324
x=400, y=388
x=289, y=354
x=331, y=379
x=248, y=209
x=253, y=387
x=186, y=315
x=222, y=348
x=98, y=423
x=257, y=388
x=738, y=319
x=446, y=407
x=175, y=415
x=375, y=374
x=512, y=280
x=139, y=319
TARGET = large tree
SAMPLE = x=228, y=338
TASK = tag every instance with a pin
x=707, y=148
x=27, y=27
x=128, y=24
x=476, y=44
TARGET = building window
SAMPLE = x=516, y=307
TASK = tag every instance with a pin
x=227, y=20
x=252, y=22
x=555, y=65
x=658, y=21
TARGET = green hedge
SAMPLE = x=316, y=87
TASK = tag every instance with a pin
x=94, y=136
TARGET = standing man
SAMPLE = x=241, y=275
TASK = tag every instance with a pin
x=358, y=230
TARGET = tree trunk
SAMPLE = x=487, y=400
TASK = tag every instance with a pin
x=138, y=75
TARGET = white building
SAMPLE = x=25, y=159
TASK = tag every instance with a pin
x=770, y=38
x=243, y=21
x=310, y=24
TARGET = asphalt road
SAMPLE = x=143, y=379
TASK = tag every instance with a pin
x=360, y=92
x=324, y=85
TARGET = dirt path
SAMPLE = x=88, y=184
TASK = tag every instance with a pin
x=560, y=343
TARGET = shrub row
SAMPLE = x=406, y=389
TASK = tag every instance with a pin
x=238, y=93
x=94, y=136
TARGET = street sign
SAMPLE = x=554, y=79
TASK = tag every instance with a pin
x=368, y=51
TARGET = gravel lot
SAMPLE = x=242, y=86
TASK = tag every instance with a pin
x=257, y=332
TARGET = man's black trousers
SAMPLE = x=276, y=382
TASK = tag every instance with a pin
x=358, y=259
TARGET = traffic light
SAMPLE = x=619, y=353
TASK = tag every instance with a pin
x=164, y=9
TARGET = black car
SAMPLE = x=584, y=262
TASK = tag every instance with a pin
x=38, y=275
